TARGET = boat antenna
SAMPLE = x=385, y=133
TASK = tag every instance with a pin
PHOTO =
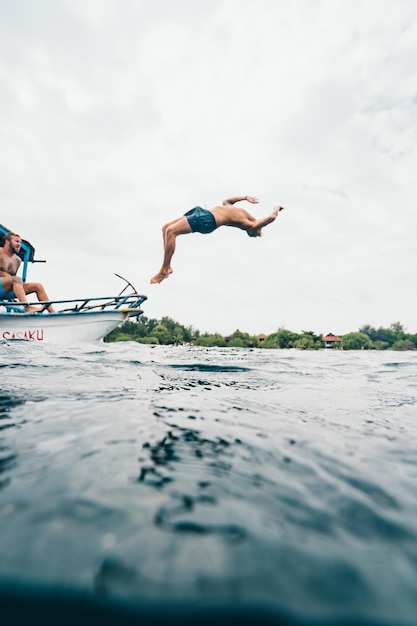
x=128, y=284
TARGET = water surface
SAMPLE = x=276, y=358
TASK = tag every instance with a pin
x=229, y=485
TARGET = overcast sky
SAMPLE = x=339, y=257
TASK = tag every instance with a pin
x=117, y=116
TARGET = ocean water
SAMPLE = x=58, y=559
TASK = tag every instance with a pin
x=184, y=485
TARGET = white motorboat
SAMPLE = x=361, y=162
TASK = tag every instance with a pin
x=76, y=320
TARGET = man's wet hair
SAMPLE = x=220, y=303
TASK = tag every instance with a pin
x=8, y=236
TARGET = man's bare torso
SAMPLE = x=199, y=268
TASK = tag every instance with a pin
x=232, y=216
x=8, y=265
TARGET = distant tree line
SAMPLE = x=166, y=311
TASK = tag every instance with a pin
x=167, y=331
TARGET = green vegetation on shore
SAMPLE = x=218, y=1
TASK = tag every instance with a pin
x=167, y=331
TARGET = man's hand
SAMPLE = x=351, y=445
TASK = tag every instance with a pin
x=251, y=199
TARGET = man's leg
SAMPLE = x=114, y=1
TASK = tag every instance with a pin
x=20, y=295
x=170, y=232
x=41, y=294
x=6, y=284
x=21, y=290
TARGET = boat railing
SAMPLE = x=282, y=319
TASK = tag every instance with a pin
x=126, y=303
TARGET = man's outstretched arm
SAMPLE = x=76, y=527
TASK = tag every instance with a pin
x=235, y=199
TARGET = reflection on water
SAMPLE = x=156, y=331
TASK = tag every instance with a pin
x=7, y=456
x=8, y=402
x=194, y=484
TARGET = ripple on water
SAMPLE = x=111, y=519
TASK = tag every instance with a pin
x=204, y=367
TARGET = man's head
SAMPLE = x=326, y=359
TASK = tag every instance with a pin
x=255, y=233
x=13, y=242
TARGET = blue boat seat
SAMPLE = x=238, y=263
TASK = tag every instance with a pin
x=11, y=304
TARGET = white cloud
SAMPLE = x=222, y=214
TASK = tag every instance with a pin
x=117, y=117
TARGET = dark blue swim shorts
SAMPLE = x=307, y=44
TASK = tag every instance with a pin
x=5, y=295
x=201, y=220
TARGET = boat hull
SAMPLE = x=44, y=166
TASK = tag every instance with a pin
x=66, y=327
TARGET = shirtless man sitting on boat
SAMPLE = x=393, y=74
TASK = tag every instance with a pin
x=200, y=220
x=11, y=286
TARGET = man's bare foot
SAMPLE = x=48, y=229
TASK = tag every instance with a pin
x=158, y=278
x=33, y=309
